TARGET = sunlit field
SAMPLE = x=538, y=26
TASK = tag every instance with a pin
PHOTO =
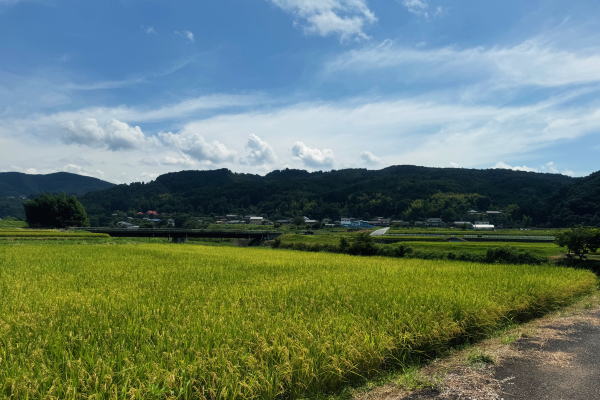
x=158, y=321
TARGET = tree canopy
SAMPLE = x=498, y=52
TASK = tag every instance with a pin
x=402, y=192
x=55, y=211
x=580, y=241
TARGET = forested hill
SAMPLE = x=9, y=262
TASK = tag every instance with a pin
x=19, y=184
x=400, y=191
x=578, y=204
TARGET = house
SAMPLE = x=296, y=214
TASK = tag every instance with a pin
x=380, y=221
x=151, y=212
x=256, y=220
x=463, y=224
x=399, y=222
x=126, y=225
x=310, y=221
x=434, y=222
x=352, y=223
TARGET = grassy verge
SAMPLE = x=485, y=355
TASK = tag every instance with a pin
x=467, y=371
x=154, y=321
x=46, y=234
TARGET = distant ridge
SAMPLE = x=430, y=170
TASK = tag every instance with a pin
x=20, y=184
x=388, y=192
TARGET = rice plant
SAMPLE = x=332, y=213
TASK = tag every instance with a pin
x=160, y=321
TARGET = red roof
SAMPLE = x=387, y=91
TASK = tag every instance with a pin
x=151, y=212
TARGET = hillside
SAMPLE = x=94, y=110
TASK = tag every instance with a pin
x=578, y=204
x=15, y=185
x=396, y=191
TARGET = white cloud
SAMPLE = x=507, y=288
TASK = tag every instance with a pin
x=422, y=8
x=421, y=131
x=549, y=167
x=113, y=135
x=188, y=35
x=259, y=152
x=149, y=30
x=313, y=157
x=533, y=62
x=195, y=145
x=418, y=7
x=524, y=168
x=345, y=18
x=369, y=158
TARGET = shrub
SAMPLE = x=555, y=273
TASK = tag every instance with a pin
x=511, y=255
x=363, y=245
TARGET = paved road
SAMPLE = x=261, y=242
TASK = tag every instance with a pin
x=569, y=368
x=380, y=232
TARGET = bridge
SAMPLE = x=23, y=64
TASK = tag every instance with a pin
x=181, y=235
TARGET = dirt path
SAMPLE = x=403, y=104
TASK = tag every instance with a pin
x=554, y=358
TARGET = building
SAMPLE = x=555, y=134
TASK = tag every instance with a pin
x=463, y=224
x=483, y=227
x=434, y=222
x=126, y=225
x=256, y=220
x=380, y=221
x=352, y=223
x=399, y=222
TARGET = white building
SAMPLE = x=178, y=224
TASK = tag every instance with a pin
x=484, y=227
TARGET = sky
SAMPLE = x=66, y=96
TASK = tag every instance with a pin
x=126, y=90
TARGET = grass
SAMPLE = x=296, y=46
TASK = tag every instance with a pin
x=429, y=247
x=457, y=231
x=159, y=321
x=480, y=248
x=12, y=223
x=47, y=234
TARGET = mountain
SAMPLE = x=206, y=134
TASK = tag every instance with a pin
x=578, y=204
x=398, y=191
x=14, y=186
x=19, y=184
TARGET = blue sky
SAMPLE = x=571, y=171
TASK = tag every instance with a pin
x=125, y=90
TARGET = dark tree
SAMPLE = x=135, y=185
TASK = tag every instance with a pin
x=55, y=211
x=580, y=241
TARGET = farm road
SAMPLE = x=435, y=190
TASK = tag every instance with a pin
x=559, y=360
x=569, y=366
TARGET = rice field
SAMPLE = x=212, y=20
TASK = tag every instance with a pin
x=161, y=321
x=46, y=234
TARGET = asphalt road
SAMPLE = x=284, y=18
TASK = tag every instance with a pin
x=576, y=377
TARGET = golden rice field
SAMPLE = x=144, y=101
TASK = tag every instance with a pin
x=161, y=321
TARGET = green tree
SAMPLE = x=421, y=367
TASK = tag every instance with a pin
x=580, y=241
x=55, y=211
